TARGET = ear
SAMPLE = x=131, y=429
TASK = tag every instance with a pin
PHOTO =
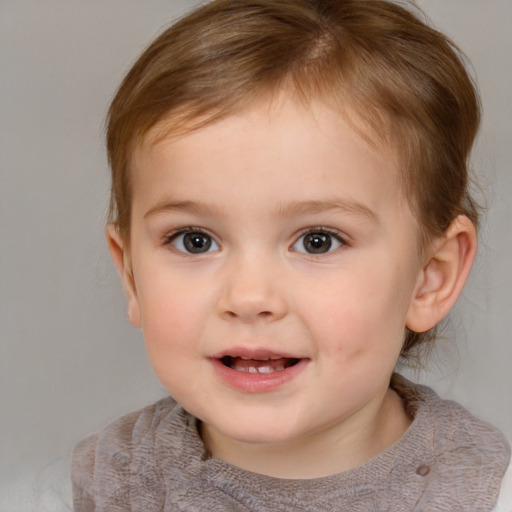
x=442, y=278
x=120, y=256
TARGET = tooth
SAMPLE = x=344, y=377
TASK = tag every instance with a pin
x=258, y=369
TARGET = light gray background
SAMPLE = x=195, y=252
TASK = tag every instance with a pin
x=69, y=360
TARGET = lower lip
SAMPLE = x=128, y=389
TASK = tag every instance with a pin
x=257, y=382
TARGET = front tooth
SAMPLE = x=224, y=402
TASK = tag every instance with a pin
x=252, y=369
x=265, y=369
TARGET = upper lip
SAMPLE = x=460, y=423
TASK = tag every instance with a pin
x=259, y=354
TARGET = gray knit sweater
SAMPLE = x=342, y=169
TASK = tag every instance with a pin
x=153, y=460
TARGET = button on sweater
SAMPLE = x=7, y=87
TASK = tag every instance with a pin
x=154, y=460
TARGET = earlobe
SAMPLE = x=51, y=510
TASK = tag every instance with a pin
x=442, y=278
x=122, y=262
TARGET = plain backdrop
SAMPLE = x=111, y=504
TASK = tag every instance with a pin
x=69, y=360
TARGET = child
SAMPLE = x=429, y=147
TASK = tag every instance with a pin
x=290, y=215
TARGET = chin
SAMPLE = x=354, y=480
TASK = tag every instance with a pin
x=259, y=433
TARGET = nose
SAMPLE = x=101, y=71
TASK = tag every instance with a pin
x=252, y=291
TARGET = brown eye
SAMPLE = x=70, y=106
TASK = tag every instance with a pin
x=317, y=242
x=197, y=242
x=194, y=242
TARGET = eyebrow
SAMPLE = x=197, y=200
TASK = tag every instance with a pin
x=286, y=210
x=184, y=207
x=314, y=207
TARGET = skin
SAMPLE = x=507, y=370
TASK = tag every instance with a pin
x=253, y=185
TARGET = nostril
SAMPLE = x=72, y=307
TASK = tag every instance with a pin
x=249, y=307
x=262, y=314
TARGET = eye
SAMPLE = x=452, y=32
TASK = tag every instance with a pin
x=193, y=242
x=318, y=242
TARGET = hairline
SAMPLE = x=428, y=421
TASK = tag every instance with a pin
x=183, y=121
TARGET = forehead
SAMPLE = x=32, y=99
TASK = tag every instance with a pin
x=325, y=114
x=294, y=149
x=372, y=124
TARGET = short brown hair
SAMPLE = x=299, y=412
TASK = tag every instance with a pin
x=404, y=79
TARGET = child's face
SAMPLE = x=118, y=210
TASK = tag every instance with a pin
x=274, y=266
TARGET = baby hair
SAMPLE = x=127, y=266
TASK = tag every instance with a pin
x=399, y=81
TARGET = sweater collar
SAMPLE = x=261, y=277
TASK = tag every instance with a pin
x=446, y=460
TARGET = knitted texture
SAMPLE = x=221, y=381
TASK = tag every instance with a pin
x=154, y=460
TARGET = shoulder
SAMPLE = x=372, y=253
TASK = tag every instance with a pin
x=467, y=457
x=102, y=464
x=505, y=498
x=125, y=432
x=453, y=430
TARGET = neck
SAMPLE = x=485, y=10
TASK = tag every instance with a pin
x=337, y=448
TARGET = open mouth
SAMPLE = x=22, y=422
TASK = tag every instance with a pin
x=263, y=365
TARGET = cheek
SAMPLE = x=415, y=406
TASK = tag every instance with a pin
x=362, y=315
x=172, y=329
x=172, y=315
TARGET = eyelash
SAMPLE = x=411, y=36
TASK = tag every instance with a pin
x=169, y=238
x=322, y=230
